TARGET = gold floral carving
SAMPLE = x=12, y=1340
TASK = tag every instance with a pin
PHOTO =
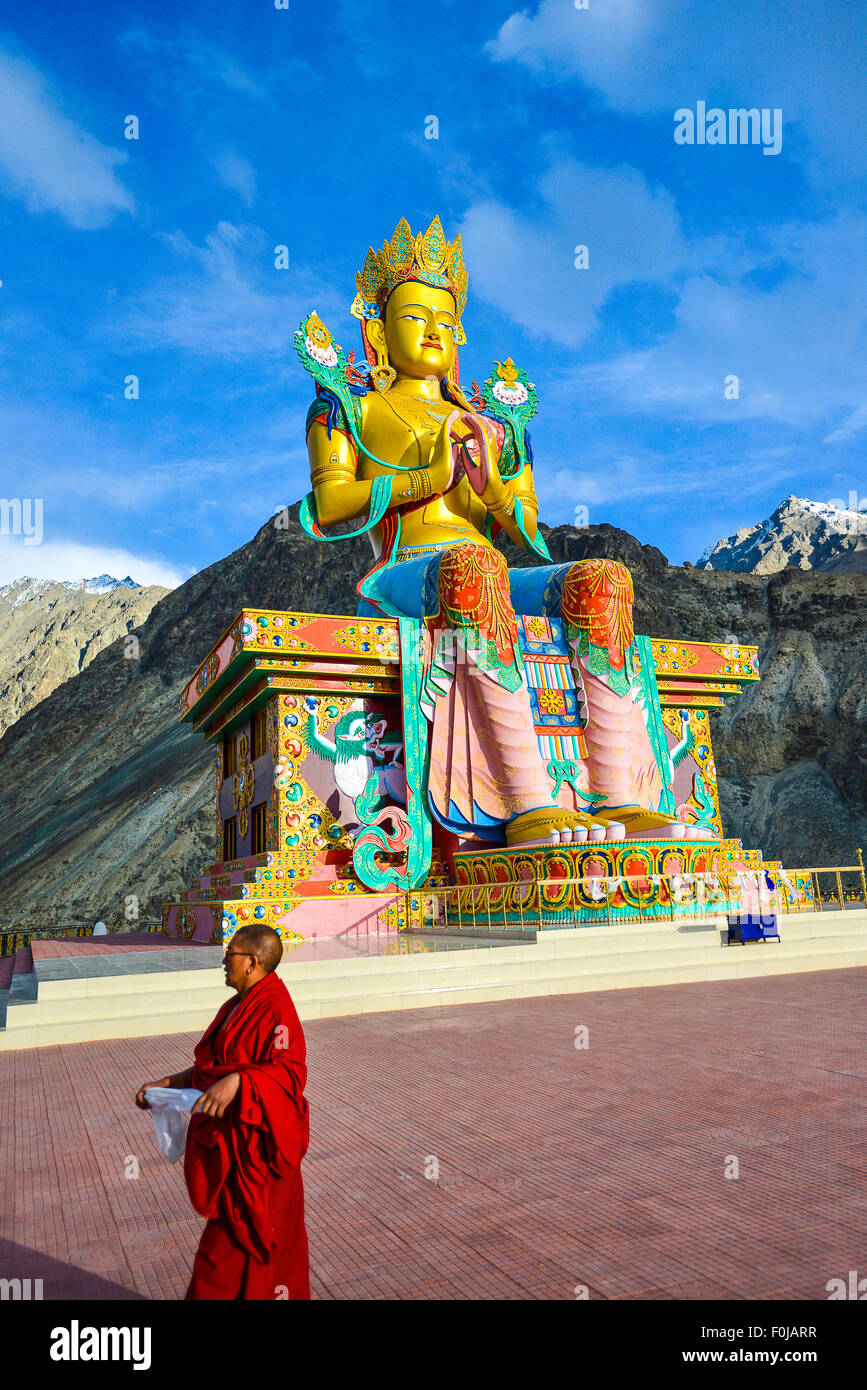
x=355, y=635
x=207, y=673
x=552, y=701
x=671, y=656
x=185, y=921
x=243, y=786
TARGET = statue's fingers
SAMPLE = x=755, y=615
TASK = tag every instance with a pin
x=451, y=424
x=489, y=434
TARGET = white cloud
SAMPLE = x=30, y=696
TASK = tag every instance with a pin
x=799, y=350
x=613, y=470
x=47, y=159
x=71, y=561
x=652, y=56
x=598, y=44
x=798, y=347
x=188, y=72
x=189, y=50
x=525, y=266
x=222, y=302
x=237, y=174
x=848, y=428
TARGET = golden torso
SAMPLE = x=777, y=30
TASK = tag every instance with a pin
x=402, y=428
x=414, y=341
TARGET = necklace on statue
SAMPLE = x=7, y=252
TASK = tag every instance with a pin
x=420, y=410
x=420, y=415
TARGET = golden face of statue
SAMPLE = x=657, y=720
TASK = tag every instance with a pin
x=419, y=330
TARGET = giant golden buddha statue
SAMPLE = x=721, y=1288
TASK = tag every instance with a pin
x=435, y=476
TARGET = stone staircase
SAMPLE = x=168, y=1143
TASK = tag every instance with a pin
x=17, y=981
x=258, y=879
x=620, y=956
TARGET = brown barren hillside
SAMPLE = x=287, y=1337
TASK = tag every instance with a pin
x=51, y=631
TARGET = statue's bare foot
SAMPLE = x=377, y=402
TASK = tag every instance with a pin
x=701, y=832
x=552, y=825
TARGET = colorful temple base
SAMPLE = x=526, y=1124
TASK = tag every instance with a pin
x=321, y=817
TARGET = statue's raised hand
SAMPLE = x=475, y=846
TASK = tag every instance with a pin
x=444, y=465
x=481, y=453
x=466, y=446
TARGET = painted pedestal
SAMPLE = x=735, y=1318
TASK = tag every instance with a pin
x=321, y=826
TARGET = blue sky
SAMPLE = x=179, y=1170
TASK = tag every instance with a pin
x=306, y=126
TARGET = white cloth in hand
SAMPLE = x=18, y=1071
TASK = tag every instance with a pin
x=170, y=1111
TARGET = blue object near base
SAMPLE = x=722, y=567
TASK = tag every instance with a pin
x=750, y=927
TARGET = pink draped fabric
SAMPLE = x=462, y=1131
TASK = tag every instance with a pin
x=485, y=754
x=620, y=760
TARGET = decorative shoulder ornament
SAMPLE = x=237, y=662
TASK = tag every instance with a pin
x=340, y=385
x=510, y=397
x=334, y=373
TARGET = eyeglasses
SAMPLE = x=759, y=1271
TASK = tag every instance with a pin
x=239, y=953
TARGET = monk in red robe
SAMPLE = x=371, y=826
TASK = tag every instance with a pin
x=248, y=1133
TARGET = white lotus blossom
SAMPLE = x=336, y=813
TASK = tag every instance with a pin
x=510, y=395
x=326, y=357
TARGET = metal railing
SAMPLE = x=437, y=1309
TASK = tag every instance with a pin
x=16, y=940
x=532, y=904
x=509, y=908
x=842, y=892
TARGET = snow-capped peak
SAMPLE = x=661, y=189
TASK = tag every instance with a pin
x=828, y=511
x=25, y=589
x=102, y=584
x=799, y=534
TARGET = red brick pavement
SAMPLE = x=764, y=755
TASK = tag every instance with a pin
x=557, y=1167
x=62, y=947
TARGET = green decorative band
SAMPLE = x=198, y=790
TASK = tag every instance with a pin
x=655, y=724
x=372, y=839
x=537, y=542
x=380, y=496
x=598, y=661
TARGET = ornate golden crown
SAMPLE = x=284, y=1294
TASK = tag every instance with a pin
x=427, y=257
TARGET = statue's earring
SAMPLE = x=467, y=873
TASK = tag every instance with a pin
x=382, y=375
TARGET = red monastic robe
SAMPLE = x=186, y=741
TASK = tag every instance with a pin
x=243, y=1171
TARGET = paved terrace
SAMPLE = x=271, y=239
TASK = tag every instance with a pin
x=557, y=1166
x=63, y=958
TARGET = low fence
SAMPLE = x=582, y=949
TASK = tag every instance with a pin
x=508, y=908
x=836, y=888
x=12, y=941
x=15, y=939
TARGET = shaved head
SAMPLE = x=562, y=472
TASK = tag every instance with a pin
x=263, y=943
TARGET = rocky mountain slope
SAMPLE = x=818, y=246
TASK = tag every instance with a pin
x=800, y=534
x=50, y=631
x=107, y=799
